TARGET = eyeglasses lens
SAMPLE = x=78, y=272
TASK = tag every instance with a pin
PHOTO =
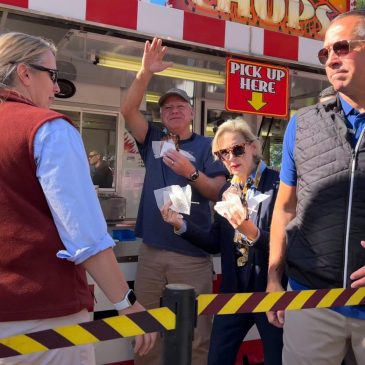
x=53, y=74
x=340, y=48
x=236, y=151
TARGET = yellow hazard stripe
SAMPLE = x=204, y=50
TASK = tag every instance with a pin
x=23, y=344
x=300, y=299
x=76, y=334
x=356, y=297
x=204, y=301
x=266, y=303
x=235, y=303
x=329, y=298
x=165, y=316
x=124, y=326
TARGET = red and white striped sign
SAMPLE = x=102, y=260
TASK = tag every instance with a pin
x=180, y=26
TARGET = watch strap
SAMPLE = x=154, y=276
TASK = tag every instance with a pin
x=128, y=300
x=194, y=176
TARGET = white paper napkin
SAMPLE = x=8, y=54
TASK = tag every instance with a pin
x=160, y=148
x=233, y=201
x=179, y=196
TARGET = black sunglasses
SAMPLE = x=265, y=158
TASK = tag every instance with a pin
x=53, y=73
x=340, y=48
x=236, y=150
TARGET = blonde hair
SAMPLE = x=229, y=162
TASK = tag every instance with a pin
x=241, y=127
x=18, y=48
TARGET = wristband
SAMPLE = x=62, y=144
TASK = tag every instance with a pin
x=128, y=300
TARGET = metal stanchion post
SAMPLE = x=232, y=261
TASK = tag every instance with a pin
x=177, y=344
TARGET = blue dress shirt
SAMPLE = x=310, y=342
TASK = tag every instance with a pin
x=64, y=174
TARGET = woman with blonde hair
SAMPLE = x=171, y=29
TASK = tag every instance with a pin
x=52, y=228
x=242, y=238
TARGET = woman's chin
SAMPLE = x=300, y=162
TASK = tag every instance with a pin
x=236, y=173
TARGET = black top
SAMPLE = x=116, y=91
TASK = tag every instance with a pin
x=252, y=276
x=103, y=176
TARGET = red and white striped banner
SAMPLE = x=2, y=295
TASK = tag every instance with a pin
x=181, y=26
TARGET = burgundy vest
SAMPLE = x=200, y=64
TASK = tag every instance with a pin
x=34, y=283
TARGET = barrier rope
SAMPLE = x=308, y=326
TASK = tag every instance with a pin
x=264, y=302
x=163, y=319
x=154, y=320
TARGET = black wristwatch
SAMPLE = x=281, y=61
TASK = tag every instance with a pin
x=128, y=300
x=194, y=176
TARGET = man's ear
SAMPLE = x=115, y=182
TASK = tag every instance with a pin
x=23, y=73
x=192, y=113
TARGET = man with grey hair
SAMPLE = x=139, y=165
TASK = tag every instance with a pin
x=318, y=226
x=166, y=257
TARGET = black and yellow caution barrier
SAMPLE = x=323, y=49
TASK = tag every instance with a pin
x=164, y=319
x=264, y=302
x=154, y=320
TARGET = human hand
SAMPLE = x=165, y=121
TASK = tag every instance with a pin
x=171, y=217
x=142, y=344
x=359, y=275
x=236, y=216
x=178, y=163
x=232, y=189
x=153, y=55
x=276, y=318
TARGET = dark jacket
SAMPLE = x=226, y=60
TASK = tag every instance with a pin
x=103, y=176
x=252, y=276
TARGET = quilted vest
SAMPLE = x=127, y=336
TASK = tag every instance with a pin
x=324, y=238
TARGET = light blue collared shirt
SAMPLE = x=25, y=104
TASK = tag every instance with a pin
x=64, y=174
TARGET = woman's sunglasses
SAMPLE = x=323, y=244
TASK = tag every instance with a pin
x=236, y=151
x=340, y=48
x=53, y=73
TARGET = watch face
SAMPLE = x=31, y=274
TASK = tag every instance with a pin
x=194, y=175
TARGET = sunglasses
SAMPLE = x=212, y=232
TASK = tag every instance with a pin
x=91, y=156
x=340, y=48
x=53, y=73
x=236, y=151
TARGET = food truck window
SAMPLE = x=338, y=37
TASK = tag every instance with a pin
x=152, y=113
x=99, y=136
x=271, y=132
x=215, y=117
x=75, y=116
x=98, y=131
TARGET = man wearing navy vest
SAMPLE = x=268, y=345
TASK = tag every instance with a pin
x=318, y=226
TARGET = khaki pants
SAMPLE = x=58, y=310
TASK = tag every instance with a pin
x=75, y=355
x=156, y=268
x=321, y=337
